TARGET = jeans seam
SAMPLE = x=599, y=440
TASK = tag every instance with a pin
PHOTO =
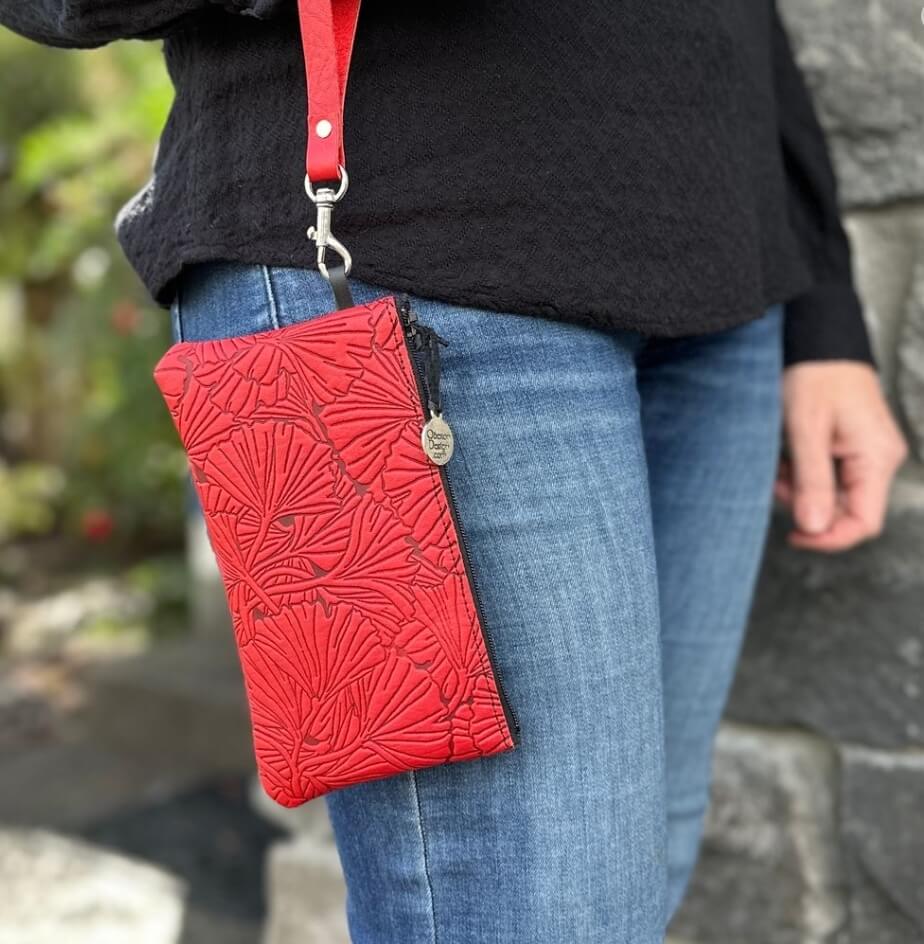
x=425, y=854
x=178, y=317
x=270, y=296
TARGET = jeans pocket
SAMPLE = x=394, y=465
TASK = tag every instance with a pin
x=223, y=300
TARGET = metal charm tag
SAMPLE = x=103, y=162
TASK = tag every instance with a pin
x=437, y=440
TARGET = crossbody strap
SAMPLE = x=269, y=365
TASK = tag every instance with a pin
x=328, y=28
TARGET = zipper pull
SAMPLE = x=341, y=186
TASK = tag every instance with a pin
x=436, y=437
x=407, y=317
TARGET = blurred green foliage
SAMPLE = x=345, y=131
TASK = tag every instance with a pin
x=86, y=446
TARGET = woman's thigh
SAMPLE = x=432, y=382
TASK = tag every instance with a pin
x=562, y=839
x=710, y=417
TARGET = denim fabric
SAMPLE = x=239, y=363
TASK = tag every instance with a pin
x=614, y=492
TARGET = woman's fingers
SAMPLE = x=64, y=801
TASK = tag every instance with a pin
x=813, y=483
x=844, y=451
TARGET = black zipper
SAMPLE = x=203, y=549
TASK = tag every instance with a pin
x=411, y=327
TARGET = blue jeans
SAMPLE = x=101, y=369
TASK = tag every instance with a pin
x=615, y=494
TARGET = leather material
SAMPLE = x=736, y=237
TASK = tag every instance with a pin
x=343, y=295
x=328, y=28
x=359, y=636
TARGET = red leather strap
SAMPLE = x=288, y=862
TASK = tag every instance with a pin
x=328, y=28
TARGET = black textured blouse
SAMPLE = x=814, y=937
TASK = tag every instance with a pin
x=621, y=163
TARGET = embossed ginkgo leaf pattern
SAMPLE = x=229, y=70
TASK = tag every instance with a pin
x=356, y=626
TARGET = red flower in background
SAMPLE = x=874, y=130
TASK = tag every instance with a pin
x=126, y=318
x=97, y=525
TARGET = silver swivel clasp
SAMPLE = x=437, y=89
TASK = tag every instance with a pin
x=325, y=199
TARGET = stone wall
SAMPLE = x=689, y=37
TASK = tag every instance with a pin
x=816, y=834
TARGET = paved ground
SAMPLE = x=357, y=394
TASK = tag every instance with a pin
x=118, y=752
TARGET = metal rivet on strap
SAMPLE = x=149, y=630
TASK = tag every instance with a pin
x=323, y=128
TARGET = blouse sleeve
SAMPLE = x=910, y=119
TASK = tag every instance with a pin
x=89, y=23
x=825, y=323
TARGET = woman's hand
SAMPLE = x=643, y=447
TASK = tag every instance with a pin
x=844, y=449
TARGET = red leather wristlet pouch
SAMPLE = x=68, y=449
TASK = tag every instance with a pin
x=317, y=451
